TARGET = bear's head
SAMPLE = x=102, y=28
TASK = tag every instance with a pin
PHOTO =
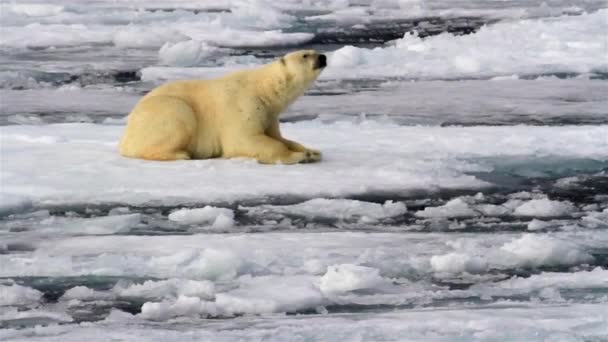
x=303, y=67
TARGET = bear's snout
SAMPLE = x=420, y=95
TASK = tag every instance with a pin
x=321, y=62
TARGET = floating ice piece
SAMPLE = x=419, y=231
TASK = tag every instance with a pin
x=106, y=225
x=18, y=295
x=344, y=278
x=270, y=294
x=219, y=218
x=412, y=158
x=493, y=210
x=457, y=263
x=10, y=203
x=170, y=288
x=454, y=208
x=183, y=306
x=596, y=219
x=534, y=46
x=186, y=53
x=84, y=293
x=544, y=208
x=38, y=316
x=341, y=209
x=532, y=250
x=33, y=10
x=596, y=278
x=537, y=224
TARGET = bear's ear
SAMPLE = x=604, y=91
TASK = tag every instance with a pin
x=282, y=61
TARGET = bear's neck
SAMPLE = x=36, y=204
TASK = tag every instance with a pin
x=276, y=91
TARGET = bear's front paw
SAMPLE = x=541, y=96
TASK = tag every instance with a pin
x=313, y=155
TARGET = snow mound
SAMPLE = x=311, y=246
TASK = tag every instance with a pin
x=340, y=279
x=218, y=218
x=544, y=208
x=533, y=250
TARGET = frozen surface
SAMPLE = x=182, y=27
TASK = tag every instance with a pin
x=81, y=163
x=463, y=193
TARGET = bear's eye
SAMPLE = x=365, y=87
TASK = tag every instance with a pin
x=305, y=56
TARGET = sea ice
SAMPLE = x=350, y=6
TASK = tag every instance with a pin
x=532, y=250
x=457, y=263
x=454, y=208
x=218, y=218
x=344, y=278
x=534, y=46
x=544, y=208
x=18, y=295
x=341, y=209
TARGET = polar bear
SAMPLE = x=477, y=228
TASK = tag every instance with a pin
x=233, y=116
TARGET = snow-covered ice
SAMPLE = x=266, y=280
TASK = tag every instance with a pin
x=81, y=163
x=462, y=193
x=217, y=217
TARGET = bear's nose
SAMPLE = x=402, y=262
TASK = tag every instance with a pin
x=322, y=61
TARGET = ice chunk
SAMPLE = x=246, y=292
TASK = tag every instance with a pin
x=34, y=10
x=170, y=288
x=270, y=294
x=107, y=224
x=545, y=208
x=182, y=306
x=537, y=224
x=458, y=263
x=186, y=53
x=535, y=46
x=315, y=266
x=150, y=37
x=414, y=158
x=454, y=208
x=18, y=295
x=119, y=316
x=214, y=264
x=596, y=219
x=10, y=203
x=341, y=209
x=532, y=250
x=344, y=278
x=493, y=210
x=38, y=316
x=596, y=278
x=84, y=293
x=220, y=218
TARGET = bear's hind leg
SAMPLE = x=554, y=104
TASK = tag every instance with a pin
x=159, y=128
